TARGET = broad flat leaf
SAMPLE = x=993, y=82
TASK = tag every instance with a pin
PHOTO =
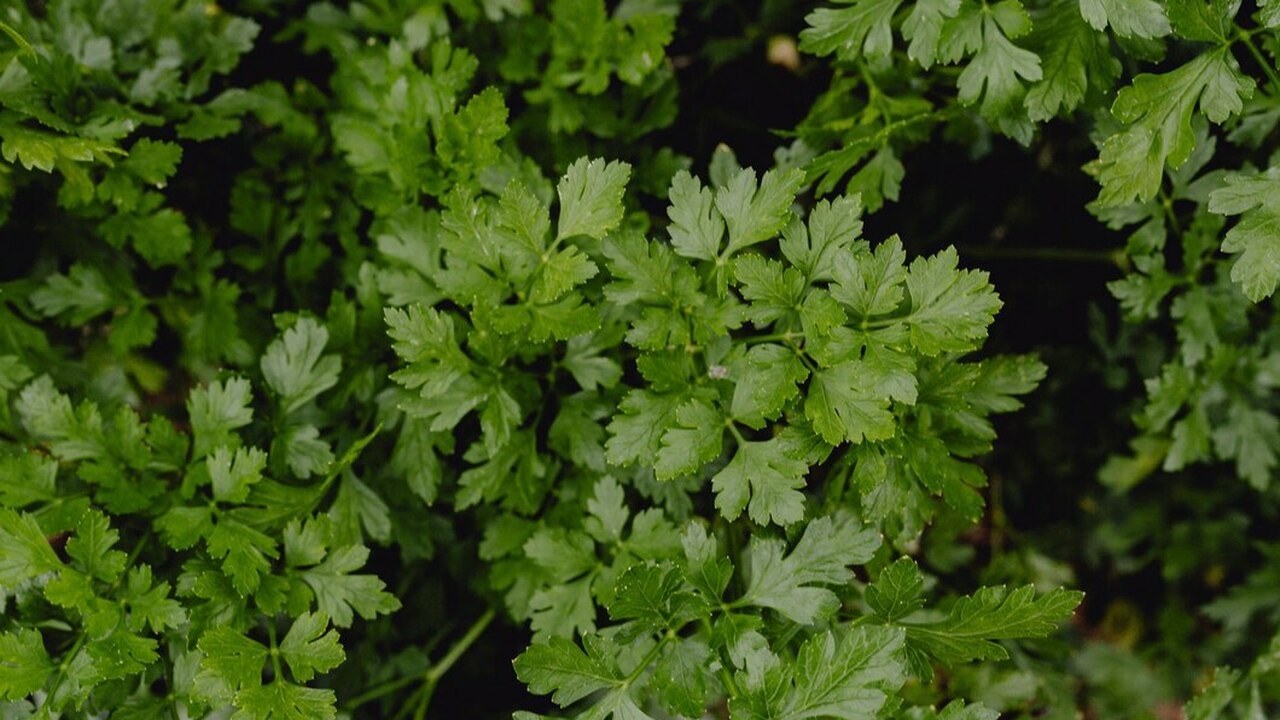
x=833, y=227
x=755, y=214
x=924, y=27
x=848, y=402
x=792, y=584
x=682, y=677
x=232, y=473
x=284, y=701
x=340, y=594
x=295, y=366
x=846, y=674
x=1158, y=110
x=72, y=433
x=993, y=613
x=696, y=228
x=1249, y=435
x=1127, y=18
x=860, y=29
x=569, y=673
x=871, y=283
x=997, y=72
x=217, y=410
x=692, y=442
x=636, y=432
x=950, y=308
x=763, y=472
x=91, y=546
x=24, y=664
x=898, y=591
x=773, y=290
x=27, y=478
x=591, y=198
x=1256, y=237
x=24, y=550
x=231, y=659
x=151, y=606
x=245, y=553
x=1205, y=21
x=765, y=380
x=311, y=647
x=78, y=297
x=1075, y=58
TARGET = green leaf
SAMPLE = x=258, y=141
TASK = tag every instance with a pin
x=998, y=70
x=91, y=547
x=24, y=664
x=26, y=479
x=993, y=613
x=636, y=432
x=1256, y=237
x=696, y=227
x=151, y=606
x=311, y=647
x=591, y=198
x=340, y=594
x=72, y=433
x=791, y=584
x=950, y=308
x=848, y=674
x=245, y=553
x=871, y=283
x=285, y=701
x=560, y=668
x=1075, y=58
x=897, y=592
x=295, y=367
x=26, y=550
x=764, y=473
x=1127, y=18
x=862, y=29
x=233, y=473
x=217, y=410
x=1250, y=436
x=833, y=227
x=693, y=441
x=1158, y=110
x=848, y=402
x=755, y=214
x=924, y=27
x=78, y=297
x=231, y=661
x=765, y=381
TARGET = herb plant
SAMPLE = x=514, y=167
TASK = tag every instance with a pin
x=408, y=359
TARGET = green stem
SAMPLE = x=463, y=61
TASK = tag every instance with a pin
x=62, y=668
x=730, y=686
x=786, y=337
x=477, y=628
x=275, y=649
x=1247, y=38
x=421, y=698
x=1108, y=257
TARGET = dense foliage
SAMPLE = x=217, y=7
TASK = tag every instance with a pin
x=448, y=358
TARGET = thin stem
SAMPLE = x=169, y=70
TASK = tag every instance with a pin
x=1247, y=39
x=275, y=649
x=730, y=686
x=380, y=690
x=786, y=337
x=421, y=698
x=477, y=628
x=1108, y=257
